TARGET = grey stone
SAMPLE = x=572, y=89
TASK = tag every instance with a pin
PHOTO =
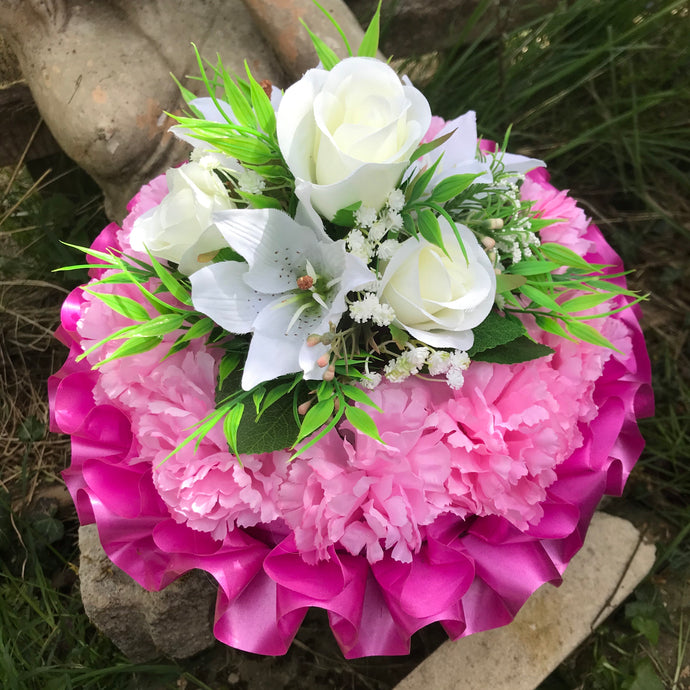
x=176, y=622
x=552, y=623
x=99, y=72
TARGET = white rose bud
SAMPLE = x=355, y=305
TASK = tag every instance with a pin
x=348, y=134
x=168, y=230
x=437, y=299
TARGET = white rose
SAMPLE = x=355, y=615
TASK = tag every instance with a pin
x=348, y=134
x=168, y=230
x=438, y=299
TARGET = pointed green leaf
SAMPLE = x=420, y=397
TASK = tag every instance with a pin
x=257, y=396
x=370, y=41
x=274, y=394
x=231, y=424
x=430, y=146
x=494, y=331
x=429, y=229
x=551, y=326
x=522, y=349
x=227, y=365
x=327, y=56
x=186, y=93
x=345, y=217
x=135, y=346
x=241, y=107
x=532, y=267
x=540, y=298
x=399, y=336
x=589, y=334
x=122, y=305
x=260, y=201
x=265, y=114
x=316, y=417
x=505, y=282
x=362, y=421
x=161, y=325
x=197, y=330
x=584, y=302
x=538, y=224
x=172, y=285
x=565, y=257
x=452, y=186
x=420, y=182
x=358, y=395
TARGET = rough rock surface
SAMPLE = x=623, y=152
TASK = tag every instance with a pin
x=552, y=623
x=99, y=73
x=175, y=622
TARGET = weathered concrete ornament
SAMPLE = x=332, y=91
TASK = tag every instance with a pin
x=99, y=72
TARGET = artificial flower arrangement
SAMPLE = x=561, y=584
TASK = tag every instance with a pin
x=348, y=356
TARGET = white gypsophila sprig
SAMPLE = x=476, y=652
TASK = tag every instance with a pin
x=455, y=378
x=250, y=182
x=387, y=249
x=368, y=308
x=365, y=216
x=438, y=362
x=396, y=200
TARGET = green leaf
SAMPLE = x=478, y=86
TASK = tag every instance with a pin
x=409, y=225
x=532, y=267
x=346, y=216
x=274, y=394
x=370, y=41
x=495, y=331
x=197, y=330
x=647, y=627
x=646, y=677
x=135, y=346
x=273, y=429
x=505, y=282
x=429, y=229
x=263, y=108
x=241, y=107
x=584, y=302
x=538, y=224
x=186, y=93
x=565, y=257
x=401, y=337
x=231, y=424
x=245, y=149
x=316, y=417
x=337, y=26
x=358, y=395
x=172, y=285
x=540, y=298
x=227, y=365
x=430, y=146
x=551, y=326
x=420, y=182
x=122, y=305
x=362, y=420
x=328, y=58
x=523, y=349
x=589, y=334
x=452, y=186
x=260, y=201
x=161, y=325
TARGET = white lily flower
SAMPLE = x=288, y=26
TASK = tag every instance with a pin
x=293, y=284
x=460, y=154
